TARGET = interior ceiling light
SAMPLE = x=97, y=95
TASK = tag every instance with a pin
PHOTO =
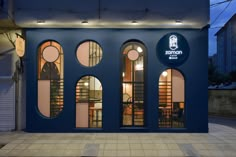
x=84, y=22
x=134, y=22
x=178, y=22
x=86, y=83
x=139, y=49
x=40, y=21
x=164, y=73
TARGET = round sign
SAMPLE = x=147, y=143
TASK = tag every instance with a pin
x=133, y=55
x=173, y=49
x=50, y=54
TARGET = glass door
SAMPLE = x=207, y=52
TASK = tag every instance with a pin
x=133, y=84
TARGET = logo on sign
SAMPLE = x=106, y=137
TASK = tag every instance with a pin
x=173, y=42
x=173, y=45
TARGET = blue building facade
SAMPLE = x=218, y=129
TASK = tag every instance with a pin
x=107, y=106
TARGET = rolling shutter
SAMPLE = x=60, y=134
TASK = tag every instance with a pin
x=7, y=104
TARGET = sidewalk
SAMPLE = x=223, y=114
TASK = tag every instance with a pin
x=220, y=141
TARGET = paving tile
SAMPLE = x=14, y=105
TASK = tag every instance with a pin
x=148, y=146
x=123, y=147
x=3, y=152
x=211, y=146
x=204, y=153
x=188, y=150
x=35, y=146
x=163, y=153
x=31, y=152
x=199, y=146
x=17, y=141
x=216, y=153
x=15, y=152
x=133, y=141
x=100, y=141
x=176, y=153
x=172, y=146
x=136, y=146
x=146, y=141
x=110, y=146
x=122, y=137
x=228, y=153
x=52, y=152
x=137, y=153
x=60, y=146
x=9, y=146
x=161, y=146
x=100, y=153
x=122, y=141
x=149, y=153
x=76, y=142
x=110, y=153
x=48, y=146
x=90, y=150
x=111, y=141
x=123, y=153
x=22, y=146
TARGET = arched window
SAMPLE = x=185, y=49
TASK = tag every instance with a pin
x=50, y=79
x=89, y=53
x=171, y=99
x=88, y=103
x=133, y=68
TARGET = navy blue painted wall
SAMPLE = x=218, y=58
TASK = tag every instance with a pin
x=108, y=71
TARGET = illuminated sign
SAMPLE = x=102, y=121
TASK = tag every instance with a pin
x=20, y=46
x=173, y=49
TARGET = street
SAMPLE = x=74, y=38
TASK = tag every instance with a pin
x=231, y=122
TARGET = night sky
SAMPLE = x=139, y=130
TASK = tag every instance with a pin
x=221, y=20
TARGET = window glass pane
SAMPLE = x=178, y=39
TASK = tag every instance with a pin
x=88, y=103
x=89, y=53
x=171, y=99
x=50, y=79
x=133, y=84
x=50, y=54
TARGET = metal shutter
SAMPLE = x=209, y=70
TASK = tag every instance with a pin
x=7, y=104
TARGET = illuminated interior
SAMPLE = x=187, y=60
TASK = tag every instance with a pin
x=50, y=79
x=133, y=84
x=171, y=99
x=88, y=103
x=89, y=53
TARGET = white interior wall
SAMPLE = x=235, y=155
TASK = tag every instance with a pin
x=177, y=86
x=83, y=53
x=44, y=97
x=82, y=115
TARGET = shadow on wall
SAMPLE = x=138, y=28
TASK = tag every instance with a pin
x=222, y=102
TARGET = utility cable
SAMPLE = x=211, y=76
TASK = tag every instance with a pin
x=218, y=3
x=221, y=13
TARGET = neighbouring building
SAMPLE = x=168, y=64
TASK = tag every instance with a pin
x=213, y=59
x=226, y=46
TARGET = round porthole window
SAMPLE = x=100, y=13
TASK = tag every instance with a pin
x=50, y=54
x=89, y=53
x=133, y=55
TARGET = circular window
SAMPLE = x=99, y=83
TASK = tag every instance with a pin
x=133, y=55
x=50, y=54
x=89, y=53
